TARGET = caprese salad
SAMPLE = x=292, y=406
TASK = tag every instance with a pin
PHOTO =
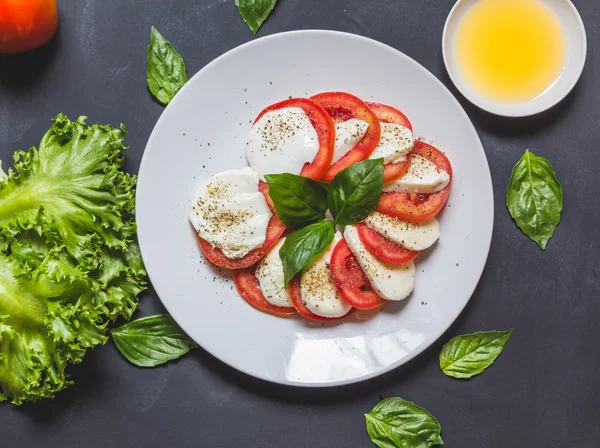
x=338, y=201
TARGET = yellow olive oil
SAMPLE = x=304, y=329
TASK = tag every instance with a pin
x=510, y=50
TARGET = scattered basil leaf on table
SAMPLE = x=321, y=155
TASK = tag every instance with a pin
x=255, y=12
x=302, y=246
x=397, y=423
x=298, y=200
x=534, y=198
x=152, y=340
x=354, y=192
x=470, y=354
x=166, y=72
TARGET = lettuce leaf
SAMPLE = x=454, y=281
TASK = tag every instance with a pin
x=69, y=261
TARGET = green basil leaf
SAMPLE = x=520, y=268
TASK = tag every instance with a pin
x=255, y=12
x=302, y=246
x=470, y=354
x=534, y=198
x=298, y=200
x=152, y=340
x=354, y=192
x=166, y=71
x=397, y=423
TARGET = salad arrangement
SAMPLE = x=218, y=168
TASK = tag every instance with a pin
x=338, y=201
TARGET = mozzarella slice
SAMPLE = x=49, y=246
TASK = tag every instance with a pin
x=392, y=282
x=318, y=290
x=347, y=135
x=395, y=143
x=412, y=236
x=230, y=212
x=422, y=177
x=282, y=141
x=269, y=273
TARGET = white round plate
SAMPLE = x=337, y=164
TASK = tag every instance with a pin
x=203, y=131
x=576, y=45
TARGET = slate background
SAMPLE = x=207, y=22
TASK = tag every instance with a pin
x=543, y=391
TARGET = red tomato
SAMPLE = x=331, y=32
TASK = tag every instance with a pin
x=323, y=124
x=350, y=280
x=26, y=24
x=342, y=107
x=296, y=296
x=383, y=248
x=249, y=288
x=416, y=208
x=274, y=232
x=388, y=114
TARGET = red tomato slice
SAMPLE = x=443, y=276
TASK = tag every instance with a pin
x=324, y=126
x=296, y=296
x=342, y=107
x=416, y=208
x=274, y=231
x=383, y=248
x=350, y=280
x=396, y=170
x=249, y=288
x=388, y=114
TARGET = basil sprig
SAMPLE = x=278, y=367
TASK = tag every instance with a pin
x=470, y=354
x=298, y=200
x=166, y=72
x=355, y=191
x=395, y=422
x=534, y=198
x=302, y=247
x=152, y=340
x=255, y=12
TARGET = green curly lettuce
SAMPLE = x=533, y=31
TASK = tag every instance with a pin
x=69, y=261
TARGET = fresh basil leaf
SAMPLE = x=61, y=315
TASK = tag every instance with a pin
x=255, y=12
x=354, y=192
x=298, y=200
x=397, y=423
x=534, y=198
x=470, y=354
x=152, y=340
x=166, y=71
x=302, y=246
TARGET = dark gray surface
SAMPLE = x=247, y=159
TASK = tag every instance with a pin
x=543, y=391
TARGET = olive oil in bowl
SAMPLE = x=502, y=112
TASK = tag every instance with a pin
x=510, y=51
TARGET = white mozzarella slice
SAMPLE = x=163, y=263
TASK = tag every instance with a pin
x=422, y=177
x=412, y=236
x=391, y=281
x=318, y=291
x=282, y=141
x=230, y=212
x=269, y=273
x=395, y=143
x=347, y=135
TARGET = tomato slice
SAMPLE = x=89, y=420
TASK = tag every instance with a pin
x=389, y=114
x=350, y=280
x=325, y=128
x=342, y=107
x=383, y=248
x=249, y=288
x=274, y=231
x=415, y=207
x=296, y=296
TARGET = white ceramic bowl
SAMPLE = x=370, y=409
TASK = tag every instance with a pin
x=203, y=132
x=575, y=60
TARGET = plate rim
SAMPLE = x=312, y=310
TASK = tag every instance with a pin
x=427, y=344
